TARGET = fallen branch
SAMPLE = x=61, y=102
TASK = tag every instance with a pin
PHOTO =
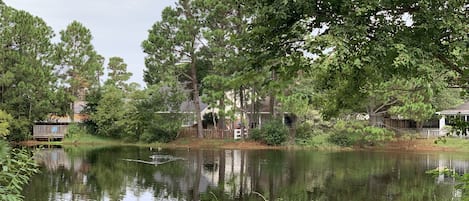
x=155, y=160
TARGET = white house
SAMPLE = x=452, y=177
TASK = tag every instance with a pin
x=461, y=110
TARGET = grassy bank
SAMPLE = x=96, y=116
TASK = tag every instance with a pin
x=84, y=139
x=318, y=142
x=453, y=143
x=90, y=139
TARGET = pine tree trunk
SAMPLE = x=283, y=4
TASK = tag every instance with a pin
x=241, y=101
x=195, y=88
x=272, y=111
x=221, y=116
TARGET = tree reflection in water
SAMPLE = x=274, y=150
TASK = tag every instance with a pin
x=100, y=174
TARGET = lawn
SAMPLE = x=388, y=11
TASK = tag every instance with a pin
x=455, y=143
x=90, y=139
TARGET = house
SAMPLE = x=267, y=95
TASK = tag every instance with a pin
x=260, y=112
x=445, y=115
x=188, y=108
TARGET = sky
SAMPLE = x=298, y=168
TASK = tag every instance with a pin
x=118, y=26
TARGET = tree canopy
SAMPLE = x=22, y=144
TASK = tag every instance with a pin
x=80, y=66
x=403, y=58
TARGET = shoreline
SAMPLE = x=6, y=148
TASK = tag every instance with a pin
x=415, y=145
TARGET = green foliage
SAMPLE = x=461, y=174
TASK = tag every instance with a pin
x=81, y=64
x=173, y=48
x=110, y=111
x=336, y=57
x=273, y=132
x=441, y=139
x=148, y=115
x=17, y=167
x=417, y=111
x=419, y=102
x=306, y=131
x=85, y=138
x=462, y=180
x=27, y=82
x=21, y=129
x=362, y=71
x=346, y=133
x=75, y=130
x=458, y=124
x=5, y=120
x=357, y=133
x=255, y=134
x=92, y=102
x=118, y=73
x=317, y=133
x=373, y=135
x=163, y=132
x=319, y=141
x=342, y=139
x=156, y=114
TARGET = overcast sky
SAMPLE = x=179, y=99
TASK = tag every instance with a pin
x=118, y=26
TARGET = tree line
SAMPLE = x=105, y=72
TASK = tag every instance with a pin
x=406, y=58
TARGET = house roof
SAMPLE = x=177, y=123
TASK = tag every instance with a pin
x=462, y=109
x=189, y=106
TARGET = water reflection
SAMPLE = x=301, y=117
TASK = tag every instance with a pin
x=102, y=174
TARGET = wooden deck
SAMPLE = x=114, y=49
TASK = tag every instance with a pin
x=51, y=131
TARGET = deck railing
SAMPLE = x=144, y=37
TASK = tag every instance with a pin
x=49, y=131
x=208, y=133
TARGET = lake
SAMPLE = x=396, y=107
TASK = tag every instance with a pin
x=136, y=173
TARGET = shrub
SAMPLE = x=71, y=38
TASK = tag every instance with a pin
x=17, y=167
x=273, y=132
x=341, y=139
x=358, y=133
x=158, y=135
x=165, y=131
x=20, y=129
x=373, y=135
x=345, y=133
x=305, y=131
x=318, y=141
x=255, y=134
x=75, y=129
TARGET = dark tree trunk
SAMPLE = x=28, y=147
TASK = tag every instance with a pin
x=241, y=103
x=195, y=89
x=221, y=115
x=272, y=111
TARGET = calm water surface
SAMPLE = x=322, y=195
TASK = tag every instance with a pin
x=83, y=173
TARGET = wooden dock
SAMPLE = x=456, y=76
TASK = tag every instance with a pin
x=49, y=131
